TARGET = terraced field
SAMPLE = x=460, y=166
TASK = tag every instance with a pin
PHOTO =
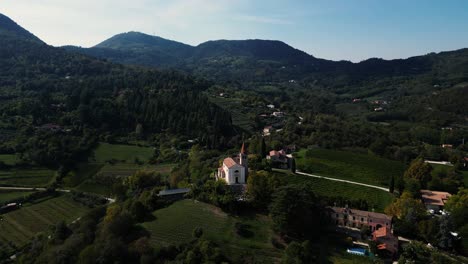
x=174, y=225
x=36, y=177
x=363, y=168
x=238, y=112
x=6, y=196
x=9, y=159
x=376, y=199
x=19, y=226
x=122, y=153
x=91, y=183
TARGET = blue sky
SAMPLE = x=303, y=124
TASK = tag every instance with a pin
x=332, y=29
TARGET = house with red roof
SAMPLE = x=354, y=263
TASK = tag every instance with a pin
x=386, y=240
x=434, y=200
x=280, y=159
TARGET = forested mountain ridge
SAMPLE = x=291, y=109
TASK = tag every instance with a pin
x=9, y=27
x=266, y=60
x=41, y=84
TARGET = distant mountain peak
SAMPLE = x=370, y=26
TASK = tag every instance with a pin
x=133, y=39
x=11, y=28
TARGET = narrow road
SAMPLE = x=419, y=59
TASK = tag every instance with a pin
x=339, y=180
x=30, y=189
x=110, y=200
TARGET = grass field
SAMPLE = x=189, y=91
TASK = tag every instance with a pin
x=174, y=225
x=6, y=196
x=35, y=177
x=106, y=152
x=9, y=159
x=376, y=199
x=19, y=226
x=351, y=166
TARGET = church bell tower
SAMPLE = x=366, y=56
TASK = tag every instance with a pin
x=243, y=159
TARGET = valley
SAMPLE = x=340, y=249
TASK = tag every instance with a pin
x=147, y=150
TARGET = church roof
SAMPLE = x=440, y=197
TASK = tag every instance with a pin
x=230, y=162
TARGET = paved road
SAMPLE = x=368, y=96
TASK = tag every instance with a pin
x=339, y=180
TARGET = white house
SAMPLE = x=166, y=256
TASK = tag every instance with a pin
x=234, y=170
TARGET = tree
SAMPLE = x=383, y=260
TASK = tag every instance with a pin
x=295, y=211
x=419, y=170
x=293, y=165
x=260, y=187
x=392, y=184
x=457, y=205
x=406, y=206
x=263, y=148
x=297, y=253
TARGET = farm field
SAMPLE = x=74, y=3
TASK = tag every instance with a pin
x=376, y=199
x=351, y=166
x=89, y=180
x=35, y=177
x=19, y=226
x=122, y=153
x=6, y=196
x=174, y=225
x=8, y=159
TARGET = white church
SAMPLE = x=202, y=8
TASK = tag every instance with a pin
x=234, y=170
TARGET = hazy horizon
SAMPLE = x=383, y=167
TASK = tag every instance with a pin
x=335, y=30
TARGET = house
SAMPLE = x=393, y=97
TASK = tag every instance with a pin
x=378, y=109
x=358, y=218
x=280, y=159
x=271, y=106
x=278, y=114
x=465, y=162
x=434, y=200
x=51, y=127
x=447, y=146
x=356, y=100
x=267, y=130
x=234, y=170
x=386, y=240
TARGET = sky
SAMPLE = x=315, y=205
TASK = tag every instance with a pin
x=332, y=29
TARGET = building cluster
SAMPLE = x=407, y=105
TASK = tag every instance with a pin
x=379, y=224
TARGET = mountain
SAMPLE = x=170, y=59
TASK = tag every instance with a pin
x=138, y=49
x=9, y=28
x=35, y=77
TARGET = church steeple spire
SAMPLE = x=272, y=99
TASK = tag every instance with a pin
x=242, y=151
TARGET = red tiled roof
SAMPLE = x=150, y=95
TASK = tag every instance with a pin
x=229, y=162
x=361, y=213
x=434, y=198
x=382, y=232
